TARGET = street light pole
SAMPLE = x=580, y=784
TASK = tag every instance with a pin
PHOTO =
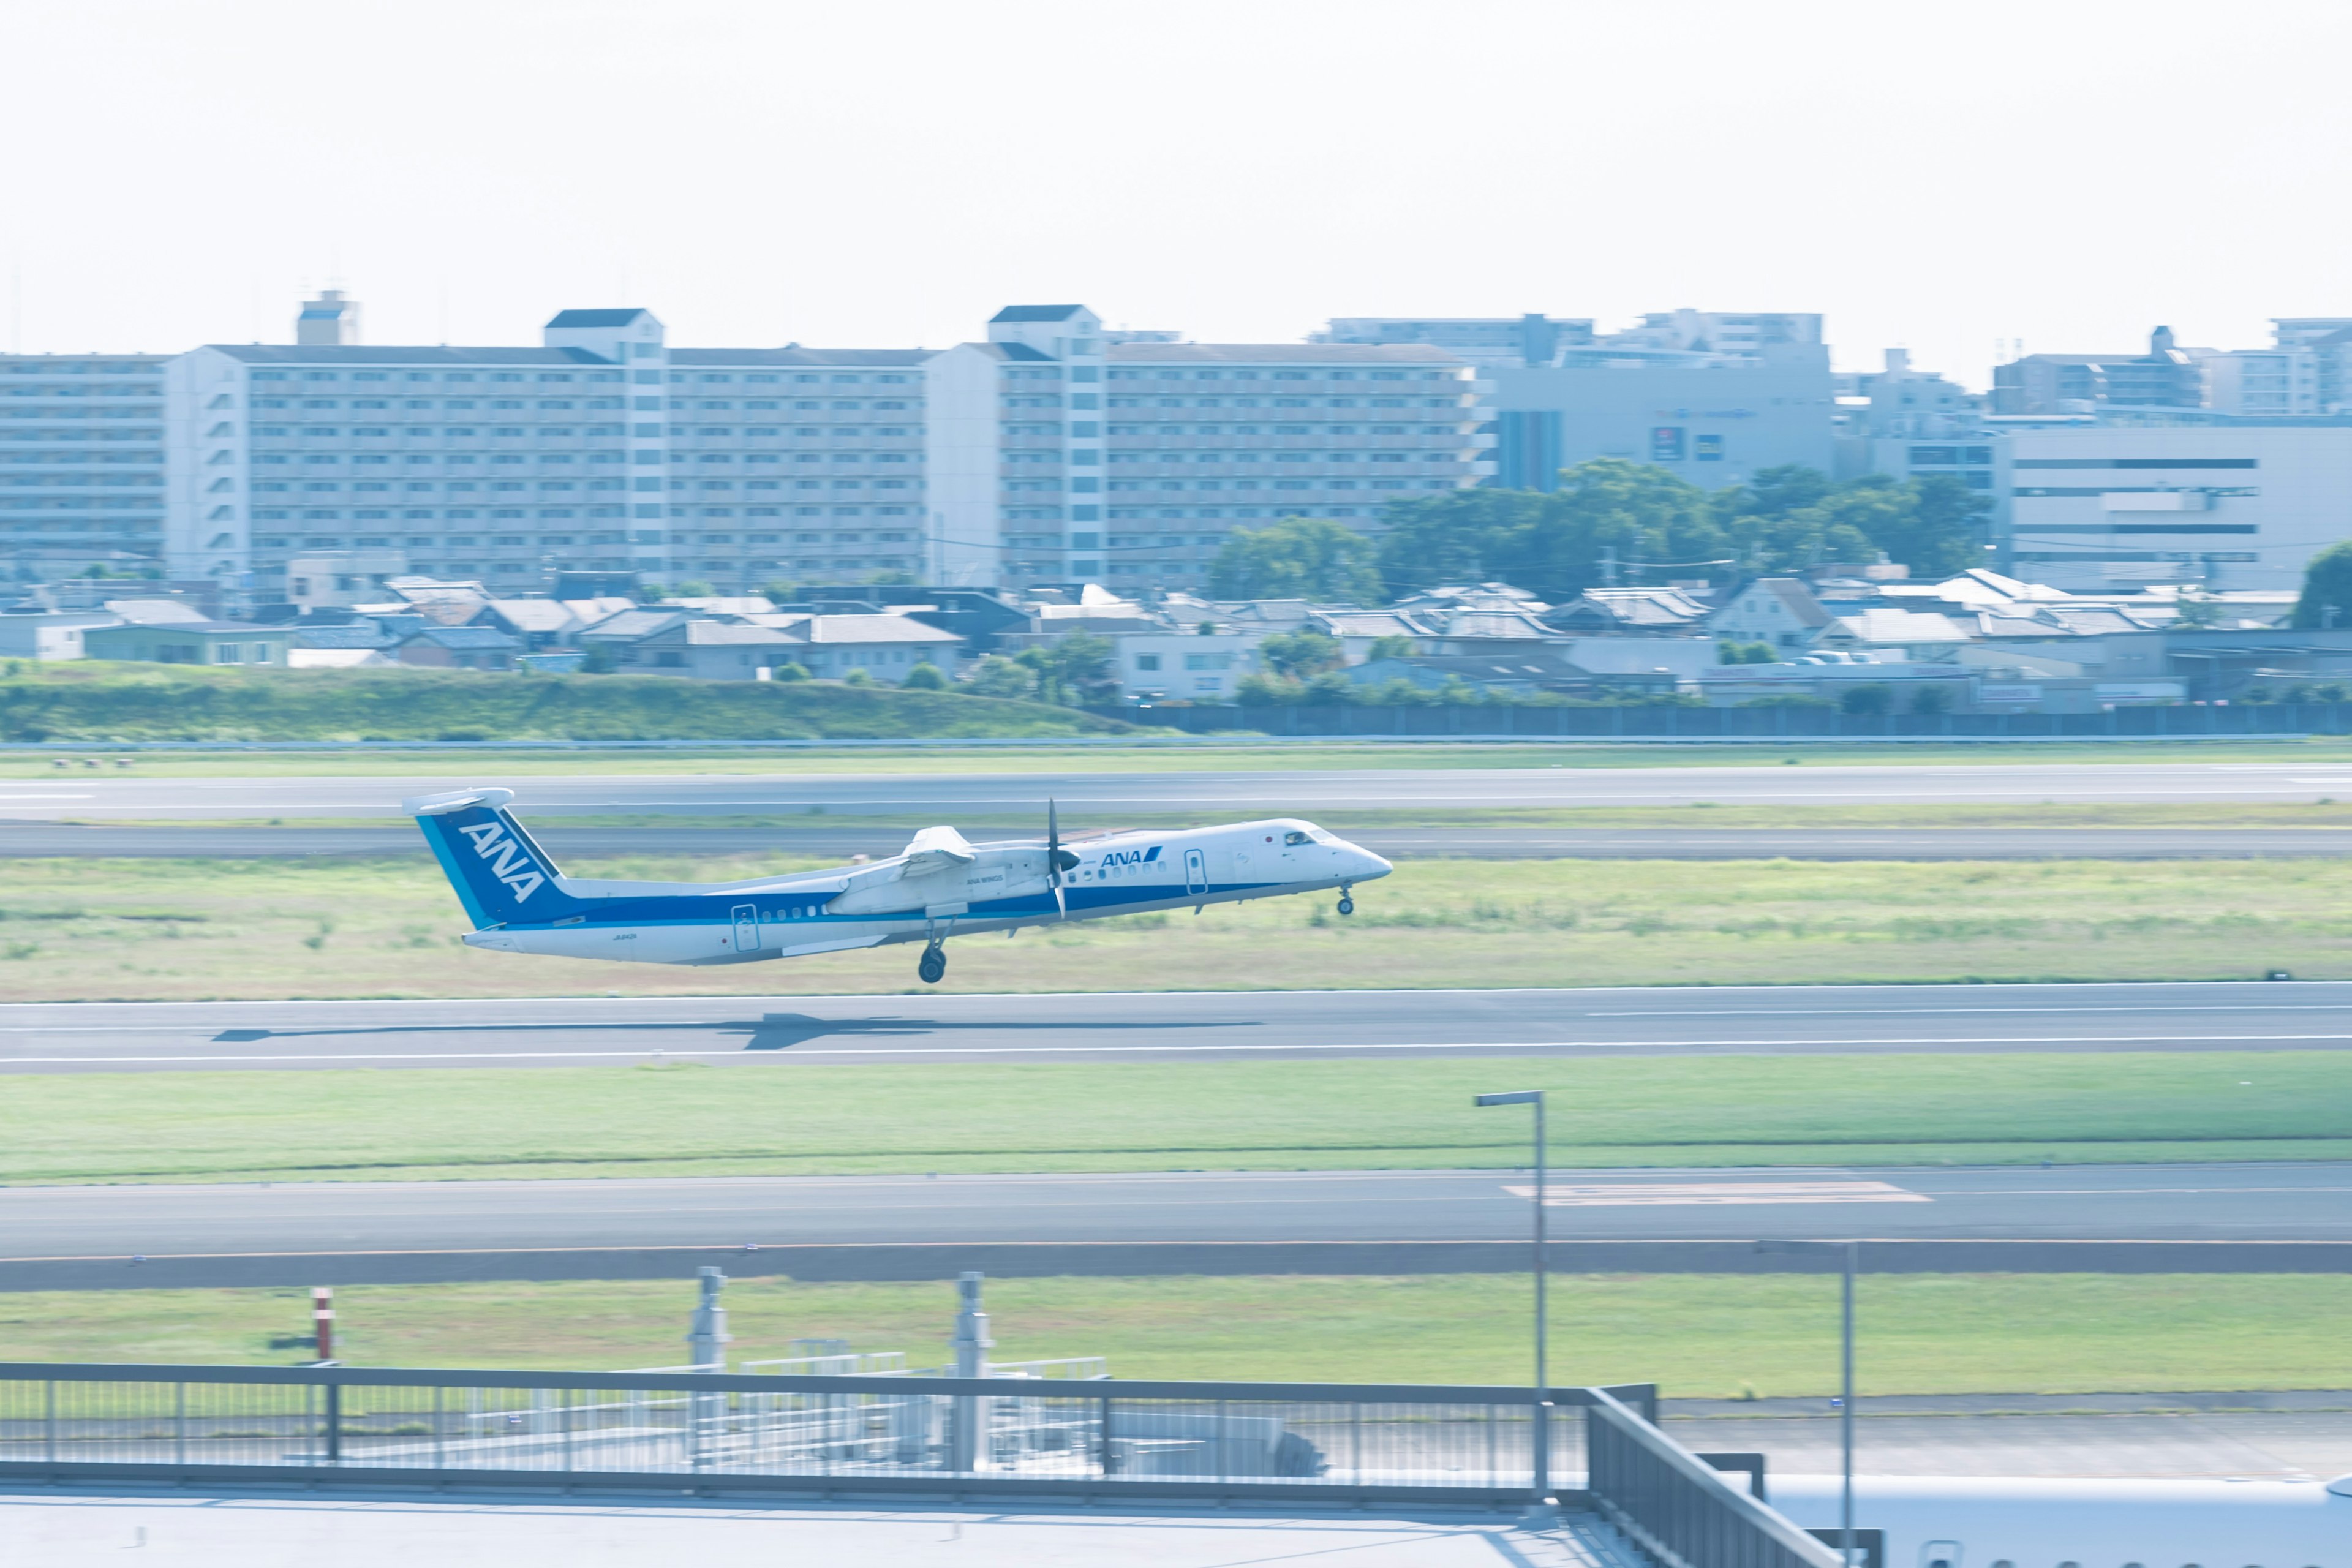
x=1845, y=1426
x=1539, y=1503
x=1850, y=1258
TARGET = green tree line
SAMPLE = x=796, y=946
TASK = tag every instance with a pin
x=1655, y=525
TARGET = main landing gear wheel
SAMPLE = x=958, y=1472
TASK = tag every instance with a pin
x=1347, y=905
x=933, y=966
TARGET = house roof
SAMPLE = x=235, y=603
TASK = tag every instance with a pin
x=1036, y=314
x=874, y=630
x=1497, y=624
x=531, y=615
x=362, y=635
x=1891, y=626
x=1368, y=623
x=1637, y=606
x=621, y=318
x=1800, y=600
x=209, y=628
x=156, y=612
x=723, y=633
x=465, y=639
x=632, y=624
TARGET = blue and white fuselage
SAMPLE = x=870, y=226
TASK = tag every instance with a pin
x=939, y=887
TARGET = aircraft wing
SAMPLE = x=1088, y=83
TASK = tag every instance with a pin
x=935, y=849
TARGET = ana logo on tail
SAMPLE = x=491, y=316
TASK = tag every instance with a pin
x=509, y=863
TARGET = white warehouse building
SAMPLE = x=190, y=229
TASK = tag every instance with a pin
x=2239, y=505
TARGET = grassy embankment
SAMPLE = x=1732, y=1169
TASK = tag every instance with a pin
x=779, y=1117
x=1699, y=1336
x=106, y=700
x=86, y=930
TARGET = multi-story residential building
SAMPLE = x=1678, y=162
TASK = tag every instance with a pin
x=603, y=448
x=2325, y=344
x=2260, y=383
x=1711, y=396
x=81, y=459
x=2164, y=377
x=1056, y=454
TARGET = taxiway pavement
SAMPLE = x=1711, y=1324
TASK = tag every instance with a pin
x=876, y=838
x=2282, y=1217
x=779, y=1031
x=946, y=796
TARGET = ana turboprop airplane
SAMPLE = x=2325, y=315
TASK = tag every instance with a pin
x=939, y=887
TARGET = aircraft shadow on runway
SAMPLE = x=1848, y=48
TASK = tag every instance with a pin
x=770, y=1032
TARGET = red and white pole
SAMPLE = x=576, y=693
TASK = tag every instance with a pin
x=322, y=1316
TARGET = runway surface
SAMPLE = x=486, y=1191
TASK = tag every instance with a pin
x=2131, y=1202
x=2078, y=1218
x=945, y=796
x=108, y=1036
x=29, y=840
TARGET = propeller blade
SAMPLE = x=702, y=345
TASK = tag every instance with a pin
x=1058, y=860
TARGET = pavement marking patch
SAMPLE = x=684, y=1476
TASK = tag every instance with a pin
x=1616, y=1194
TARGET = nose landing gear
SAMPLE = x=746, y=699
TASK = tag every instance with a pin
x=933, y=966
x=1347, y=900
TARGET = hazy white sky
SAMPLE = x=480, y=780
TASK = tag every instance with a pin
x=886, y=172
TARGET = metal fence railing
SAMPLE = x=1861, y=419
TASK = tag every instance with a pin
x=1037, y=1433
x=1678, y=1509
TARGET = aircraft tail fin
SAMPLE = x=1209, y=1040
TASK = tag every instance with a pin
x=501, y=875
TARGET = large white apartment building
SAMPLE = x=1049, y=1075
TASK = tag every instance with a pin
x=1046, y=453
x=603, y=448
x=81, y=456
x=1058, y=454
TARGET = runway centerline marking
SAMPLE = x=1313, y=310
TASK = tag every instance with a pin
x=1663, y=1195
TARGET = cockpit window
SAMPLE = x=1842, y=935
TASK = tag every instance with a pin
x=1294, y=837
x=1320, y=836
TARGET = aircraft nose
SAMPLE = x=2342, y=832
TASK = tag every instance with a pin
x=1374, y=865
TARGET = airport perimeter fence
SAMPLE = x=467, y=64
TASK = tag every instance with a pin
x=1667, y=721
x=1273, y=1444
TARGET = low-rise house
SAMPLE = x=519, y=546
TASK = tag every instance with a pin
x=190, y=642
x=359, y=635
x=156, y=612
x=342, y=577
x=1493, y=633
x=1186, y=666
x=1664, y=612
x=592, y=611
x=1782, y=612
x=623, y=631
x=885, y=647
x=717, y=651
x=537, y=624
x=50, y=634
x=1357, y=630
x=1921, y=635
x=459, y=647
